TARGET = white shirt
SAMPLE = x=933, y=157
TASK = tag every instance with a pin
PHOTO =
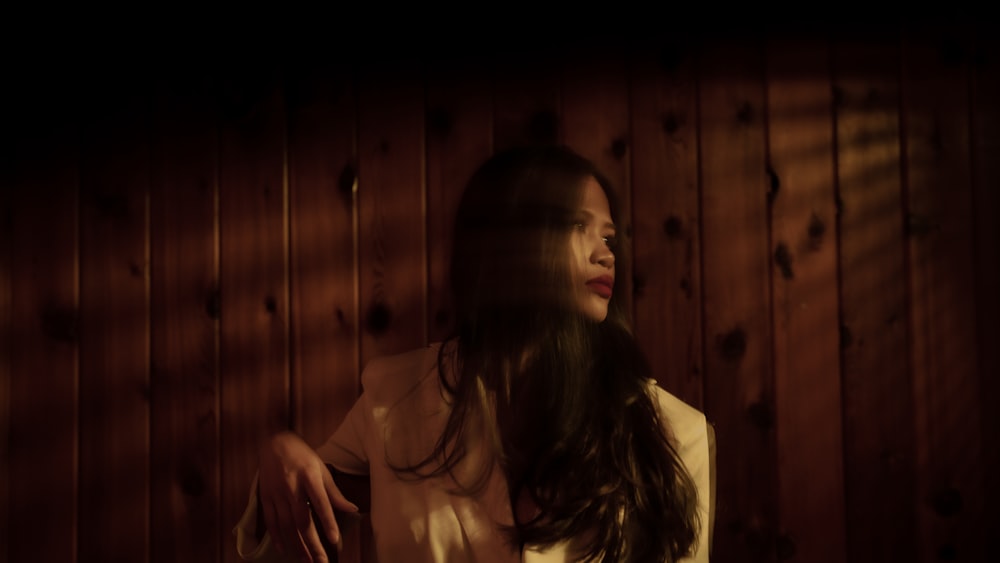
x=399, y=416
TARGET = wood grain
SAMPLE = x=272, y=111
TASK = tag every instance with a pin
x=985, y=139
x=877, y=390
x=739, y=393
x=114, y=381
x=940, y=241
x=393, y=263
x=182, y=274
x=253, y=279
x=184, y=239
x=805, y=302
x=40, y=302
x=666, y=217
x=323, y=172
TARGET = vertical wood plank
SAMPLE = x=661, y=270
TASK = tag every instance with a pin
x=666, y=217
x=40, y=286
x=393, y=277
x=185, y=320
x=322, y=168
x=805, y=306
x=526, y=99
x=940, y=237
x=114, y=324
x=595, y=123
x=985, y=125
x=877, y=391
x=738, y=384
x=253, y=279
x=459, y=137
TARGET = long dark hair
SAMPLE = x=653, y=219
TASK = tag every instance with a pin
x=563, y=402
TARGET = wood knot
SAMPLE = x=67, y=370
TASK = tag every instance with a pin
x=672, y=227
x=146, y=391
x=271, y=304
x=816, y=231
x=638, y=285
x=213, y=304
x=378, y=319
x=846, y=339
x=745, y=113
x=670, y=123
x=732, y=345
x=685, y=286
x=773, y=184
x=135, y=270
x=619, y=147
x=761, y=415
x=783, y=259
x=191, y=481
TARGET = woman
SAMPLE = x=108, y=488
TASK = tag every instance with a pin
x=533, y=433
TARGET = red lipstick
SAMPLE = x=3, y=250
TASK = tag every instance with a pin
x=602, y=285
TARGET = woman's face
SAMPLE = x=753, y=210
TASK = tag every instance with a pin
x=592, y=261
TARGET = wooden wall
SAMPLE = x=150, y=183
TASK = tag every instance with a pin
x=195, y=254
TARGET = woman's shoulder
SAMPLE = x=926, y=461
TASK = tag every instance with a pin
x=388, y=377
x=685, y=423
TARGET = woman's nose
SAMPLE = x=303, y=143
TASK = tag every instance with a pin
x=603, y=255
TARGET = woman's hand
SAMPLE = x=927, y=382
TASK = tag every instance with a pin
x=293, y=477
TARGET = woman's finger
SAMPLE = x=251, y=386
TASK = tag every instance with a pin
x=322, y=507
x=336, y=497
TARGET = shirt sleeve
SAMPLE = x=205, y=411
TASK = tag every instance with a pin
x=347, y=448
x=688, y=428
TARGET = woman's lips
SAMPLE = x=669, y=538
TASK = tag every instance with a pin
x=601, y=285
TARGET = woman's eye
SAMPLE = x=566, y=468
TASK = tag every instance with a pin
x=579, y=226
x=610, y=240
